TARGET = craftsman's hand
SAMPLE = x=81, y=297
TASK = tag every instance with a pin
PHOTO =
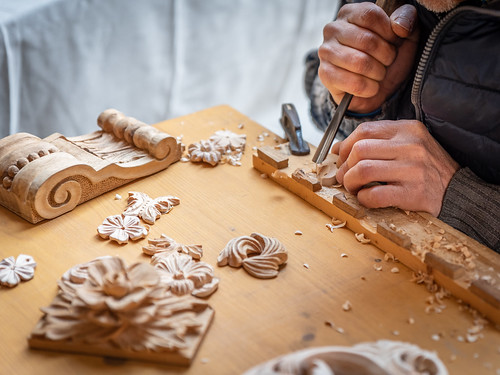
x=367, y=54
x=402, y=154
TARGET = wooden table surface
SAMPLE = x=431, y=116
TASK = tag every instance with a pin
x=255, y=320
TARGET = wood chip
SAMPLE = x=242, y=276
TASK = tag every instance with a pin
x=347, y=306
x=377, y=267
x=395, y=333
x=343, y=255
x=298, y=233
x=306, y=265
x=411, y=320
x=436, y=337
x=118, y=197
x=361, y=238
x=395, y=270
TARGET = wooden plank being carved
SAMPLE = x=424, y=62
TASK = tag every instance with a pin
x=45, y=178
x=276, y=158
x=420, y=241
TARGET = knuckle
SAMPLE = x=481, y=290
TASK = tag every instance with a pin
x=367, y=41
x=363, y=64
x=361, y=149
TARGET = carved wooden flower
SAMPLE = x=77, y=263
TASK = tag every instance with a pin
x=125, y=307
x=121, y=228
x=182, y=275
x=227, y=140
x=167, y=245
x=205, y=151
x=259, y=255
x=12, y=271
x=148, y=209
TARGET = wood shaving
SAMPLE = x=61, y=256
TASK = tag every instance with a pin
x=241, y=126
x=377, y=267
x=343, y=255
x=298, y=233
x=411, y=320
x=306, y=265
x=395, y=270
x=337, y=221
x=118, y=197
x=332, y=325
x=279, y=174
x=185, y=160
x=332, y=227
x=389, y=257
x=264, y=175
x=361, y=238
x=436, y=337
x=395, y=333
x=347, y=306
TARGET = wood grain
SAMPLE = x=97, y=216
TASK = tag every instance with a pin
x=255, y=320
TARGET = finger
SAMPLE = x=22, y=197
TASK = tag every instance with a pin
x=403, y=20
x=353, y=59
x=338, y=80
x=368, y=16
x=360, y=39
x=368, y=171
x=335, y=148
x=391, y=195
x=366, y=130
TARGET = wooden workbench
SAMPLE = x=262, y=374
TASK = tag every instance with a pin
x=255, y=320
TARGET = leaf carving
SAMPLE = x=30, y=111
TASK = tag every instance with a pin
x=148, y=209
x=166, y=245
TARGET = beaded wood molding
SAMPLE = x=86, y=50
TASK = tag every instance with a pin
x=44, y=178
x=425, y=244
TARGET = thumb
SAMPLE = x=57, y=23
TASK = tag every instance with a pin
x=403, y=20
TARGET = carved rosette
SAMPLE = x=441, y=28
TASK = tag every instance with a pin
x=121, y=228
x=166, y=245
x=12, y=270
x=383, y=357
x=229, y=141
x=182, y=275
x=259, y=255
x=113, y=305
x=148, y=209
x=205, y=151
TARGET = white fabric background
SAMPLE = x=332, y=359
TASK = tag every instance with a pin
x=64, y=61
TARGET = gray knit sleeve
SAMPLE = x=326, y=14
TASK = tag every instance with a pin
x=473, y=207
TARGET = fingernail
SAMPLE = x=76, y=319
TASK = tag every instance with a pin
x=404, y=22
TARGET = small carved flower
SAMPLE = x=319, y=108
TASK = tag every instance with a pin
x=148, y=209
x=227, y=140
x=167, y=245
x=12, y=271
x=205, y=151
x=121, y=228
x=182, y=275
x=259, y=255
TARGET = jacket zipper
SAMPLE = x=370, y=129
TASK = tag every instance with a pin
x=426, y=54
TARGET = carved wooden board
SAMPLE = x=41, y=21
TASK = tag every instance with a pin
x=44, y=178
x=460, y=264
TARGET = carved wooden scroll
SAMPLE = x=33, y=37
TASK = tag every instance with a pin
x=44, y=178
x=107, y=308
x=469, y=270
x=383, y=357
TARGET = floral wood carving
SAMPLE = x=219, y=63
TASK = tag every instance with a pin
x=123, y=311
x=121, y=228
x=12, y=270
x=166, y=245
x=383, y=357
x=227, y=140
x=205, y=151
x=44, y=178
x=148, y=209
x=259, y=255
x=182, y=275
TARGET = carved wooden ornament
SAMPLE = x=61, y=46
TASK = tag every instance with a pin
x=112, y=309
x=121, y=228
x=12, y=271
x=383, y=357
x=205, y=151
x=166, y=245
x=42, y=179
x=182, y=275
x=141, y=205
x=259, y=255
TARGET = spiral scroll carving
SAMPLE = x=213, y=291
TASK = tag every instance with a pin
x=259, y=255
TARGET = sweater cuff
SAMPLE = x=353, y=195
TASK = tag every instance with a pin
x=471, y=206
